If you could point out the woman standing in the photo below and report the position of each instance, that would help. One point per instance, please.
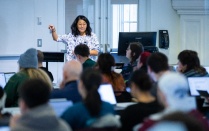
(81, 32)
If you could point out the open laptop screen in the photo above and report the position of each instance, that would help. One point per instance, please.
(8, 75)
(2, 80)
(60, 106)
(207, 68)
(198, 83)
(107, 94)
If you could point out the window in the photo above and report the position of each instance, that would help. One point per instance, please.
(124, 19)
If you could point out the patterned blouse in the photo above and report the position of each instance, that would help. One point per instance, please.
(71, 41)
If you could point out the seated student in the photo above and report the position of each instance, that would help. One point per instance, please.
(28, 64)
(142, 62)
(105, 64)
(82, 53)
(4, 117)
(173, 94)
(157, 64)
(86, 113)
(189, 64)
(140, 83)
(36, 115)
(133, 52)
(71, 73)
(40, 65)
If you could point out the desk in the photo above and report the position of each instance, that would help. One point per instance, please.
(12, 110)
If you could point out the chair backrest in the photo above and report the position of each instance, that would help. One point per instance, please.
(123, 96)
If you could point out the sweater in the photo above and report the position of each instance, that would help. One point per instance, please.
(135, 114)
(12, 87)
(78, 116)
(70, 92)
(88, 63)
(41, 118)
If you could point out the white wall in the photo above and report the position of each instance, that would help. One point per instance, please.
(20, 31)
(194, 29)
(73, 8)
(164, 17)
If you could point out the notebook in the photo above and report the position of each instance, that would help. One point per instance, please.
(2, 80)
(198, 84)
(8, 75)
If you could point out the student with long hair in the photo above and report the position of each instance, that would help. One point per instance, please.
(85, 113)
(189, 64)
(105, 64)
(133, 52)
(147, 104)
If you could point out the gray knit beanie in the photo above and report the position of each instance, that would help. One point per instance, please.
(29, 59)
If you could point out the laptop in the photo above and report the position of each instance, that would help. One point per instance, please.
(60, 106)
(4, 128)
(207, 68)
(107, 94)
(2, 80)
(198, 84)
(8, 75)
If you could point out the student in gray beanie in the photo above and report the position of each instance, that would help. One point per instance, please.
(28, 69)
(29, 59)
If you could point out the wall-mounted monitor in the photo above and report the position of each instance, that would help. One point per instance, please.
(145, 38)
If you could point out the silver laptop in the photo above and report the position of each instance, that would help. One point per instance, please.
(2, 80)
(198, 84)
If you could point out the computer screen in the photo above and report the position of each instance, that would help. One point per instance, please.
(4, 128)
(198, 83)
(107, 94)
(8, 75)
(60, 106)
(145, 38)
(207, 68)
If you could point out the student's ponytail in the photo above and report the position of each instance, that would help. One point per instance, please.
(91, 80)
